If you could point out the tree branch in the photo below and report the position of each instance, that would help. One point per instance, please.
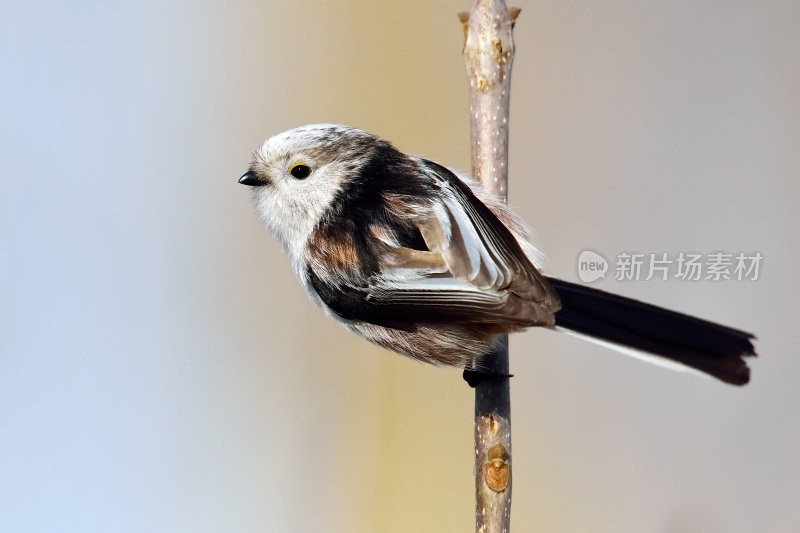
(488, 53)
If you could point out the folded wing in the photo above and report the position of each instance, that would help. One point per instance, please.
(486, 276)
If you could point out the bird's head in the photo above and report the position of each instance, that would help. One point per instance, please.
(297, 175)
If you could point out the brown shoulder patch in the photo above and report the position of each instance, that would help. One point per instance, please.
(333, 251)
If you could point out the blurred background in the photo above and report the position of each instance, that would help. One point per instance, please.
(162, 370)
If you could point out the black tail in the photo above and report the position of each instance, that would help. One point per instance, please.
(705, 346)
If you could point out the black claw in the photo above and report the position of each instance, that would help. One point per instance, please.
(476, 377)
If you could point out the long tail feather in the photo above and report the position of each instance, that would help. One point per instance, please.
(705, 346)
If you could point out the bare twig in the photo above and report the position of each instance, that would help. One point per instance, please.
(489, 52)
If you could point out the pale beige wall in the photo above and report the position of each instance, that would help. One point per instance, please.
(161, 370)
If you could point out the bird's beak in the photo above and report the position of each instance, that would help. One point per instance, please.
(250, 178)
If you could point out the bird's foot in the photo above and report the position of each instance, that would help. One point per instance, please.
(475, 377)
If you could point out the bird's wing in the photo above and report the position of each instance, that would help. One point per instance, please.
(476, 267)
(445, 300)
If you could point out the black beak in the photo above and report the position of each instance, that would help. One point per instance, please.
(250, 178)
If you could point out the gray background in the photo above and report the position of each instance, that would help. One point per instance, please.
(161, 370)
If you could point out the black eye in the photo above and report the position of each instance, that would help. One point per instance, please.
(300, 171)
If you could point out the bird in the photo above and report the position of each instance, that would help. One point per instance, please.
(421, 260)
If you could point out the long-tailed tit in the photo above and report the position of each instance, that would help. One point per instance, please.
(423, 262)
